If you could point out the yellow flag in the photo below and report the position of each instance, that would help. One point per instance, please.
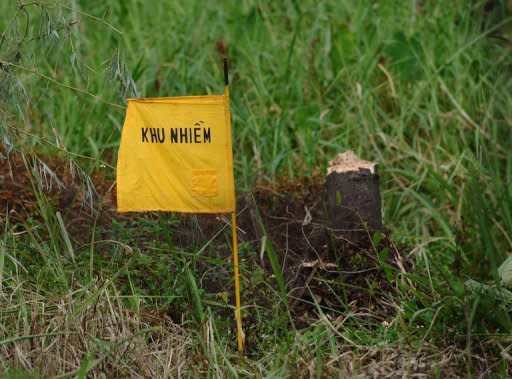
(176, 155)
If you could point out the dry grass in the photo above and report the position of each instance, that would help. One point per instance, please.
(89, 331)
(405, 362)
(98, 337)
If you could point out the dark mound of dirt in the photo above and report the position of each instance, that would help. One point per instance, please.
(323, 268)
(26, 179)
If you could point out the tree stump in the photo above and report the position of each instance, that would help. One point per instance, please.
(353, 196)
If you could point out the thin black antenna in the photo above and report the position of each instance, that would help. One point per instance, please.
(226, 72)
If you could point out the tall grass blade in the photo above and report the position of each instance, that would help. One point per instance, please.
(194, 294)
(274, 261)
(277, 271)
(65, 237)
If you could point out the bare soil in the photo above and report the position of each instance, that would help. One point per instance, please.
(323, 268)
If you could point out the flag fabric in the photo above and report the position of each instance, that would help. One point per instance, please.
(176, 155)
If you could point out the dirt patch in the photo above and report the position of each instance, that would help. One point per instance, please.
(323, 268)
(26, 179)
(17, 195)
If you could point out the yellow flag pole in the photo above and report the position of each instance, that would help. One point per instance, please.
(234, 234)
(239, 332)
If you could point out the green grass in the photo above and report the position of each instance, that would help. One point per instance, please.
(424, 88)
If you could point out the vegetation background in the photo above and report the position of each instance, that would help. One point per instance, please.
(422, 87)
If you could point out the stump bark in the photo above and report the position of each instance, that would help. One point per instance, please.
(353, 195)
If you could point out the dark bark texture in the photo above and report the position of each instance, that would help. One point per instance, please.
(353, 200)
